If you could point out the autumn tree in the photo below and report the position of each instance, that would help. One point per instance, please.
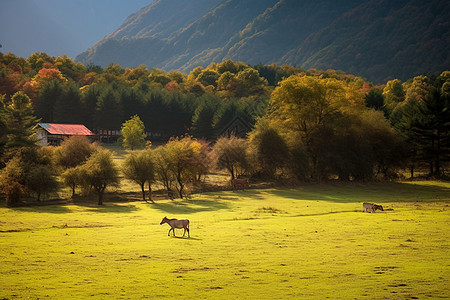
(139, 168)
(74, 177)
(3, 128)
(208, 77)
(163, 169)
(182, 155)
(100, 172)
(335, 133)
(268, 149)
(230, 154)
(393, 94)
(133, 133)
(74, 151)
(28, 171)
(41, 180)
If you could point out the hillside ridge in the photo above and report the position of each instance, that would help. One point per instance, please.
(379, 40)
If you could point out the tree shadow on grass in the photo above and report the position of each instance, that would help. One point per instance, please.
(113, 208)
(190, 206)
(357, 193)
(50, 209)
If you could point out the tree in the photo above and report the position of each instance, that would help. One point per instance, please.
(375, 99)
(73, 177)
(433, 128)
(139, 167)
(301, 103)
(203, 118)
(20, 125)
(230, 154)
(133, 133)
(74, 151)
(101, 172)
(67, 107)
(3, 128)
(201, 161)
(49, 94)
(182, 154)
(179, 162)
(422, 118)
(28, 171)
(268, 148)
(330, 132)
(208, 77)
(393, 94)
(41, 180)
(109, 109)
(12, 181)
(163, 166)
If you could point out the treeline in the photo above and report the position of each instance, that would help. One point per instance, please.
(300, 125)
(169, 103)
(202, 103)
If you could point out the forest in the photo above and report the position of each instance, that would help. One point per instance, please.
(294, 125)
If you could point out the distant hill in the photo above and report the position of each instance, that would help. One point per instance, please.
(376, 39)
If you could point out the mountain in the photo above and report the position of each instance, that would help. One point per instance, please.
(376, 39)
(382, 40)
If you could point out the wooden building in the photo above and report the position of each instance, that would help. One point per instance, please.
(54, 134)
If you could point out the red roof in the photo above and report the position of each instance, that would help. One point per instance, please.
(66, 129)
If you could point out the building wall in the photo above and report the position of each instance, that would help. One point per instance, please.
(43, 137)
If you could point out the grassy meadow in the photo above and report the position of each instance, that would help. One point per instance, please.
(311, 242)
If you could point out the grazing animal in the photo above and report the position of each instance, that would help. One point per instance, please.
(371, 207)
(176, 223)
(239, 182)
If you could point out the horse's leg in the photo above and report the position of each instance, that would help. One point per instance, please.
(184, 231)
(188, 231)
(169, 231)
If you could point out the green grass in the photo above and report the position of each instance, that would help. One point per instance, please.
(311, 242)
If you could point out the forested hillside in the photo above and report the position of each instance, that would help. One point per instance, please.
(373, 39)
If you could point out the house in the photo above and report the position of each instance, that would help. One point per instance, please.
(53, 134)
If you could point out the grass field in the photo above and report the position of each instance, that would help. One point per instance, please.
(311, 242)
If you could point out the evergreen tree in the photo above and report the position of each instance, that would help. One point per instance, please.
(50, 94)
(21, 125)
(109, 110)
(68, 107)
(203, 119)
(433, 130)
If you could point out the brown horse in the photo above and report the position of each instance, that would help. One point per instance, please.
(371, 207)
(176, 223)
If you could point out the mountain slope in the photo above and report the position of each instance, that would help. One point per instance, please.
(371, 38)
(162, 18)
(267, 37)
(381, 40)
